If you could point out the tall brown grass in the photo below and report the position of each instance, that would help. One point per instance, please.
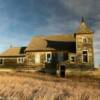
(29, 86)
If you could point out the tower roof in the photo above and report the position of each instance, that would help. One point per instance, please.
(83, 27)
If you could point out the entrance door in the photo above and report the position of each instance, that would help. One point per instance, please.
(62, 70)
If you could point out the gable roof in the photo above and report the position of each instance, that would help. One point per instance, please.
(14, 51)
(52, 42)
(83, 27)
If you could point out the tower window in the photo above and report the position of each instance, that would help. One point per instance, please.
(84, 40)
(85, 56)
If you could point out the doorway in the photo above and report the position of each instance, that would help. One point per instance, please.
(62, 70)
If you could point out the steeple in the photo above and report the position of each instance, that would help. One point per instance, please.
(83, 27)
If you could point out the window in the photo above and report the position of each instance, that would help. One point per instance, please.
(85, 56)
(20, 60)
(72, 58)
(84, 40)
(1, 61)
(48, 57)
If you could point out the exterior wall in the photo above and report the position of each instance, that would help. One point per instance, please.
(11, 61)
(88, 46)
(30, 57)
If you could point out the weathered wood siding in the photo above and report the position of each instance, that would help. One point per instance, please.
(11, 61)
(30, 57)
(80, 46)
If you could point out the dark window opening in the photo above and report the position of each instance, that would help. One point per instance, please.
(48, 55)
(85, 56)
(73, 59)
(48, 58)
(1, 61)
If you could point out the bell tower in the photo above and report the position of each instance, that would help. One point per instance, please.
(84, 44)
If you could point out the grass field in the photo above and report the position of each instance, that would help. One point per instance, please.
(39, 86)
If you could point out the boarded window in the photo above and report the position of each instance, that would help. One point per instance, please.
(85, 56)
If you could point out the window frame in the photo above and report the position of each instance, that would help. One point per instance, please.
(49, 57)
(87, 56)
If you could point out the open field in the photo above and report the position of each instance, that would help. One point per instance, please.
(39, 86)
(93, 74)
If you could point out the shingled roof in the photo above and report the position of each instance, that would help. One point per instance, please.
(52, 42)
(83, 27)
(14, 51)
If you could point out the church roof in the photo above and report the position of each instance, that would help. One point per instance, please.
(83, 27)
(14, 51)
(52, 42)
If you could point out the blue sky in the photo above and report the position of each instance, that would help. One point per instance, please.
(22, 19)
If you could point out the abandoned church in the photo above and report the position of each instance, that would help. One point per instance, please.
(59, 51)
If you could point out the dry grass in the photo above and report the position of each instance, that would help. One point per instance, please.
(29, 86)
(94, 74)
